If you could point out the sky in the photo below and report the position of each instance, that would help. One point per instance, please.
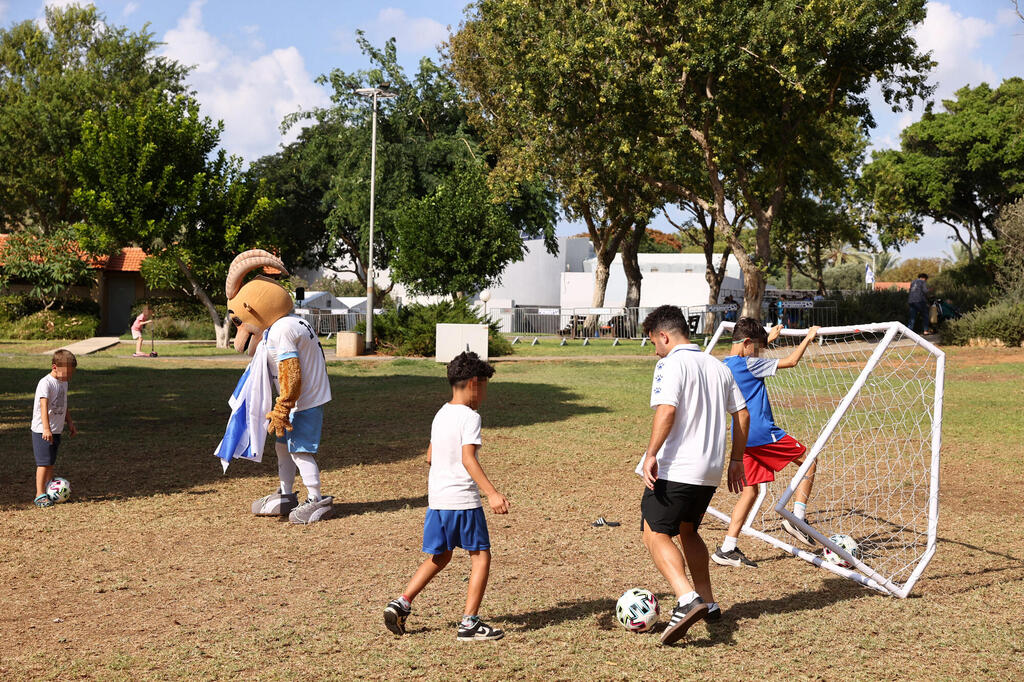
(255, 61)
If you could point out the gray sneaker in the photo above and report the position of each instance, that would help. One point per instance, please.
(275, 504)
(312, 511)
(797, 533)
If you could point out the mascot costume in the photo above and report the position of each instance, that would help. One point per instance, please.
(286, 353)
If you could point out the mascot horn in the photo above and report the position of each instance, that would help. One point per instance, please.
(286, 353)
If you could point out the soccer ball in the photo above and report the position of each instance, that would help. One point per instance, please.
(847, 543)
(637, 610)
(58, 489)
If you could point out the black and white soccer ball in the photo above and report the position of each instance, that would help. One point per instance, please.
(637, 610)
(848, 544)
(58, 489)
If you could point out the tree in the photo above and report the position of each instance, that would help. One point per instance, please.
(50, 75)
(958, 166)
(51, 263)
(154, 176)
(455, 240)
(1010, 273)
(713, 103)
(424, 140)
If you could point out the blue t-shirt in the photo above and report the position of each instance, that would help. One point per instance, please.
(750, 374)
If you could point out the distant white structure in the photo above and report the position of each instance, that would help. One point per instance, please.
(668, 279)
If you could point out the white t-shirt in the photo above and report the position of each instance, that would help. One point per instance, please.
(450, 485)
(292, 337)
(56, 393)
(704, 393)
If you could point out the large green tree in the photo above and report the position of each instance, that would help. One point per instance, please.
(51, 74)
(957, 166)
(424, 140)
(153, 176)
(713, 103)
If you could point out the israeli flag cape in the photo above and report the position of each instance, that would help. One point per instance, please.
(246, 433)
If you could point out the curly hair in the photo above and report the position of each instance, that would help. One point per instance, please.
(467, 365)
(666, 318)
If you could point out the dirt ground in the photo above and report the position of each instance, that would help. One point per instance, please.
(156, 570)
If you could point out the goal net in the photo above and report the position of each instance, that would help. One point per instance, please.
(867, 403)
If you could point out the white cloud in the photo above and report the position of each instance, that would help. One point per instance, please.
(952, 38)
(413, 34)
(251, 94)
(130, 8)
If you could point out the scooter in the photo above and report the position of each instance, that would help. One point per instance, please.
(152, 343)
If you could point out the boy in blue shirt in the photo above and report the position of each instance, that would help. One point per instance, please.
(455, 515)
(769, 448)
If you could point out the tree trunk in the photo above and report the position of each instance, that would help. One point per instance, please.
(753, 290)
(597, 300)
(631, 266)
(789, 272)
(715, 277)
(221, 327)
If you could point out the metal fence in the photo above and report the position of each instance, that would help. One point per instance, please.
(627, 323)
(332, 323)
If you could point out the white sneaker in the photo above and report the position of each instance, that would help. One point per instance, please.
(797, 533)
(312, 511)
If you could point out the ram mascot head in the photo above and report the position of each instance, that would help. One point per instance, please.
(257, 304)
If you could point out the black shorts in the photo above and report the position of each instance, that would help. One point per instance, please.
(46, 453)
(671, 503)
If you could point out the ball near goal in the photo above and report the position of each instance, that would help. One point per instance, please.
(58, 489)
(867, 401)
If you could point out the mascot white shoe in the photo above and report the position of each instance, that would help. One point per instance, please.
(286, 353)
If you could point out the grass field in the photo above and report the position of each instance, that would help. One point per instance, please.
(156, 570)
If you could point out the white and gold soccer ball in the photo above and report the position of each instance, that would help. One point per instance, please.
(637, 609)
(58, 489)
(847, 543)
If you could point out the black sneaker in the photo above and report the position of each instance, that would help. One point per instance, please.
(395, 615)
(479, 631)
(682, 618)
(714, 613)
(797, 533)
(733, 557)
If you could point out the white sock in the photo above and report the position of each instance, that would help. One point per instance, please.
(406, 604)
(712, 605)
(729, 544)
(800, 510)
(285, 468)
(687, 598)
(309, 471)
(467, 621)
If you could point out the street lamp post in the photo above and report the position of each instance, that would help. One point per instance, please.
(373, 94)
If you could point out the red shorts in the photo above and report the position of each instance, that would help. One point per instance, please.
(762, 461)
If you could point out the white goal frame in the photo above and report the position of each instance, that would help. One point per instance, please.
(863, 573)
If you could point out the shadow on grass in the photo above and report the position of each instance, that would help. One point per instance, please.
(834, 590)
(152, 430)
(560, 613)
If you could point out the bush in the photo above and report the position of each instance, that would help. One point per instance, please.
(177, 309)
(883, 305)
(51, 324)
(1003, 321)
(411, 330)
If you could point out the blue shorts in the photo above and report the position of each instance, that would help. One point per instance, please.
(45, 453)
(446, 529)
(305, 433)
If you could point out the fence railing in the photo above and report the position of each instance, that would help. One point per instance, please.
(627, 323)
(332, 323)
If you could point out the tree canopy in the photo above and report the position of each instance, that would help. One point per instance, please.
(714, 103)
(957, 166)
(50, 76)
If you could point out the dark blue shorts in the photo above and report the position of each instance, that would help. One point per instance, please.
(46, 453)
(446, 529)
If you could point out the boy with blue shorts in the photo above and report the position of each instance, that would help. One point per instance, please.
(455, 515)
(49, 416)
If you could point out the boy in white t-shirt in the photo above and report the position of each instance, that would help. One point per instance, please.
(455, 515)
(49, 416)
(692, 393)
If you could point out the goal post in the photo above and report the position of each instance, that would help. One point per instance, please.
(870, 398)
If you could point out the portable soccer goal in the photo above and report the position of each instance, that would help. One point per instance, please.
(867, 402)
